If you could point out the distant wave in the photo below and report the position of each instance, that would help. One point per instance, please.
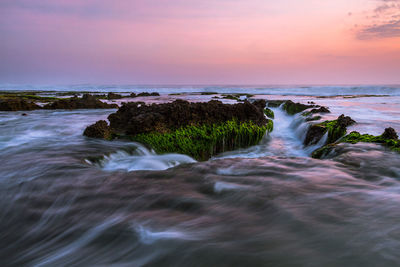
(326, 90)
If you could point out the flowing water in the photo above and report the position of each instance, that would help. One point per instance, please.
(68, 200)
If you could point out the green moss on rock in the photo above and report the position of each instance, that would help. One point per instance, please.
(388, 138)
(270, 114)
(293, 108)
(201, 142)
(335, 129)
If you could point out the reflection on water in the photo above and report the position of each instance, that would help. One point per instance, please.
(67, 200)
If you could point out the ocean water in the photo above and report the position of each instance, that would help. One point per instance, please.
(68, 200)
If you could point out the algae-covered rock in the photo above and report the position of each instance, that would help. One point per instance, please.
(99, 130)
(17, 104)
(196, 129)
(136, 117)
(292, 108)
(335, 129)
(202, 142)
(389, 138)
(275, 103)
(85, 102)
(270, 114)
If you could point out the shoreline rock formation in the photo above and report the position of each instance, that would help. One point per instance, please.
(200, 130)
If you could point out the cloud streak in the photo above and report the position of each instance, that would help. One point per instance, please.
(384, 22)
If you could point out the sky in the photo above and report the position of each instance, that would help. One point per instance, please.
(200, 41)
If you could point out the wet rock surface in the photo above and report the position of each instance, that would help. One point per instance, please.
(390, 133)
(17, 104)
(87, 101)
(99, 130)
(335, 129)
(292, 108)
(114, 96)
(136, 117)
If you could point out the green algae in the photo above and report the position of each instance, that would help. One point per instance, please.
(354, 138)
(335, 131)
(270, 114)
(29, 96)
(293, 108)
(203, 141)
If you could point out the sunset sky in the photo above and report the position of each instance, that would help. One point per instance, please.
(200, 41)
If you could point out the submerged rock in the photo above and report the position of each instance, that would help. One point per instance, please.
(86, 102)
(196, 129)
(335, 129)
(17, 104)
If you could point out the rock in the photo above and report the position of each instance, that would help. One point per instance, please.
(345, 121)
(196, 129)
(292, 108)
(24, 114)
(320, 110)
(17, 104)
(270, 114)
(114, 96)
(136, 117)
(275, 103)
(148, 94)
(390, 133)
(86, 102)
(132, 95)
(99, 130)
(314, 118)
(336, 129)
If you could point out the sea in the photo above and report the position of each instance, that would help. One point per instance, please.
(69, 200)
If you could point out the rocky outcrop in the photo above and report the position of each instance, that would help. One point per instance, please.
(196, 129)
(389, 138)
(335, 129)
(292, 108)
(99, 130)
(111, 96)
(17, 104)
(390, 133)
(136, 117)
(85, 102)
(148, 94)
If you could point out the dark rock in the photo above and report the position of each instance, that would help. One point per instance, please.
(99, 130)
(136, 117)
(314, 118)
(86, 102)
(390, 133)
(113, 96)
(24, 114)
(345, 121)
(199, 130)
(292, 108)
(148, 94)
(320, 110)
(132, 95)
(336, 129)
(314, 134)
(275, 103)
(17, 104)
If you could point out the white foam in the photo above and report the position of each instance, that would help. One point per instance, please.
(148, 236)
(143, 159)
